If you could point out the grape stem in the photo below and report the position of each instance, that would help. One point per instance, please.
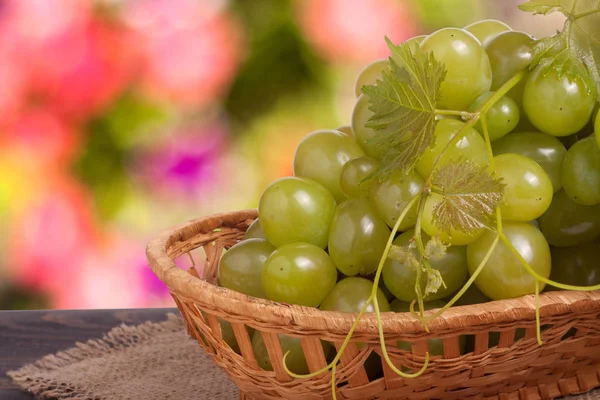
(475, 116)
(372, 298)
(452, 113)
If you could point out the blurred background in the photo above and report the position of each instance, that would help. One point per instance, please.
(121, 118)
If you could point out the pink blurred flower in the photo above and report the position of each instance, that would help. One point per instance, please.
(191, 48)
(89, 69)
(106, 277)
(41, 137)
(186, 163)
(75, 62)
(49, 239)
(354, 30)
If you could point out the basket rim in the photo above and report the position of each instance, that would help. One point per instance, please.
(232, 303)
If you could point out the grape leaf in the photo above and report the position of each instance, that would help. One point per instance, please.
(404, 255)
(435, 248)
(403, 105)
(470, 195)
(575, 50)
(434, 281)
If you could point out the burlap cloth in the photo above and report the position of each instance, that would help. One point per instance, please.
(145, 362)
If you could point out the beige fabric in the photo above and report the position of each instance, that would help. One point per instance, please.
(150, 361)
(145, 362)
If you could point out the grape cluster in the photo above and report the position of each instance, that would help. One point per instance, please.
(324, 234)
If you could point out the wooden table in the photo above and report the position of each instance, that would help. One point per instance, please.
(26, 336)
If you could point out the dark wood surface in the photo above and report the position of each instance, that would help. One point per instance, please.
(26, 336)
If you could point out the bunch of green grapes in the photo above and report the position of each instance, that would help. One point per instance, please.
(340, 236)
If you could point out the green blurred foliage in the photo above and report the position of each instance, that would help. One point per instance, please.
(279, 62)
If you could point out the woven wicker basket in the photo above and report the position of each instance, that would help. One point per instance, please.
(567, 363)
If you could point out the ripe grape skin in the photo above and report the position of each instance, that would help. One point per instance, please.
(544, 149)
(472, 296)
(567, 223)
(454, 237)
(597, 128)
(255, 231)
(295, 209)
(486, 29)
(360, 115)
(295, 360)
(576, 265)
(528, 189)
(298, 273)
(321, 155)
(373, 72)
(581, 172)
(357, 237)
(391, 197)
(509, 53)
(501, 118)
(369, 75)
(503, 276)
(468, 68)
(400, 278)
(354, 173)
(346, 130)
(351, 294)
(471, 146)
(241, 266)
(557, 106)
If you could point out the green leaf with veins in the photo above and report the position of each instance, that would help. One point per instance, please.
(574, 51)
(435, 249)
(403, 105)
(470, 195)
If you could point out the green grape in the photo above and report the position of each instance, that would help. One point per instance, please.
(581, 172)
(557, 106)
(468, 68)
(472, 296)
(369, 75)
(597, 128)
(471, 146)
(255, 231)
(346, 130)
(351, 294)
(388, 295)
(400, 278)
(528, 189)
(567, 223)
(503, 276)
(360, 115)
(357, 237)
(321, 155)
(544, 149)
(454, 237)
(486, 29)
(576, 265)
(295, 209)
(295, 360)
(353, 177)
(501, 118)
(436, 346)
(241, 266)
(510, 53)
(391, 197)
(299, 273)
(374, 71)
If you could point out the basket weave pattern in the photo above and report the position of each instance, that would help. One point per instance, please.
(567, 363)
